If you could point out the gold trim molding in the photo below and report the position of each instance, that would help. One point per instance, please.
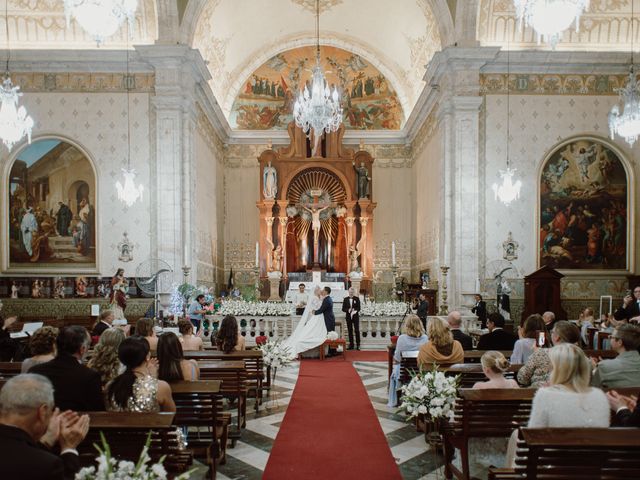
(551, 84)
(83, 82)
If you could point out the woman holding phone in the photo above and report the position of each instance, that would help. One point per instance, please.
(533, 333)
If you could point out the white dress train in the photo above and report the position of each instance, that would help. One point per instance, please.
(311, 331)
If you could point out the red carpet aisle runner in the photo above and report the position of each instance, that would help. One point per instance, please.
(330, 430)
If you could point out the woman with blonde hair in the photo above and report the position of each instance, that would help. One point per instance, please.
(494, 365)
(412, 338)
(42, 346)
(441, 347)
(105, 359)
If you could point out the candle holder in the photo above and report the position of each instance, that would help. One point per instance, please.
(256, 273)
(444, 307)
(394, 288)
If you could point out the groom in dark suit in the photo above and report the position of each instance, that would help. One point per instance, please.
(326, 309)
(351, 307)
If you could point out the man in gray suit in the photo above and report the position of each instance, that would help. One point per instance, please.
(624, 370)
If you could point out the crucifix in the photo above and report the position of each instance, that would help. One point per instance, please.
(315, 209)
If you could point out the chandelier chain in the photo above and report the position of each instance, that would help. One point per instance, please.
(318, 28)
(6, 27)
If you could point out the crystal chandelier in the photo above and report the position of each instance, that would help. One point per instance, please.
(318, 110)
(129, 193)
(101, 18)
(549, 18)
(627, 123)
(509, 190)
(14, 121)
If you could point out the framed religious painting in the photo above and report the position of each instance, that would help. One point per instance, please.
(585, 207)
(50, 210)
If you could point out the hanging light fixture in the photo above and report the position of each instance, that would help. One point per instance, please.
(627, 123)
(101, 18)
(508, 190)
(128, 192)
(549, 18)
(318, 110)
(14, 121)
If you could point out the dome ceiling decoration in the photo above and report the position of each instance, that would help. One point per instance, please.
(368, 99)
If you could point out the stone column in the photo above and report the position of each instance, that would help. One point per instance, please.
(274, 285)
(284, 222)
(349, 221)
(269, 240)
(364, 260)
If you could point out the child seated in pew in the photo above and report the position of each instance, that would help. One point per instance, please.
(494, 365)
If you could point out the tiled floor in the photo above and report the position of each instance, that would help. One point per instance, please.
(248, 459)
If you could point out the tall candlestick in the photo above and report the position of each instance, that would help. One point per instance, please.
(393, 254)
(257, 254)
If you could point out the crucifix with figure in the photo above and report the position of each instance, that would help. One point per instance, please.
(314, 210)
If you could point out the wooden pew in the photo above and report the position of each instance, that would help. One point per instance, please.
(126, 434)
(253, 363)
(199, 406)
(10, 369)
(483, 414)
(570, 453)
(233, 376)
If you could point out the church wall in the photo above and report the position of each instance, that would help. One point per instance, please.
(96, 122)
(537, 124)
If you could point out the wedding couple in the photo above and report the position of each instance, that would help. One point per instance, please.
(316, 321)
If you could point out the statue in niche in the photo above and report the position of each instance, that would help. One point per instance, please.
(353, 259)
(58, 291)
(363, 179)
(276, 259)
(270, 182)
(14, 290)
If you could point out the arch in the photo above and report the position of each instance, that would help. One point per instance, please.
(578, 183)
(58, 188)
(444, 19)
(286, 182)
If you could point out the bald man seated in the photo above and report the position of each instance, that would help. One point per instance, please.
(454, 319)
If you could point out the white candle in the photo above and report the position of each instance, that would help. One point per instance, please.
(393, 254)
(257, 254)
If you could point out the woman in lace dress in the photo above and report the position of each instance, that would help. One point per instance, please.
(311, 331)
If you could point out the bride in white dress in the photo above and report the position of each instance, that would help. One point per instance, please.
(311, 331)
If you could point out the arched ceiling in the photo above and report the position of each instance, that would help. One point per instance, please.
(236, 37)
(42, 24)
(604, 26)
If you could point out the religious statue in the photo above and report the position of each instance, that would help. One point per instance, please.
(276, 259)
(118, 297)
(341, 211)
(363, 179)
(125, 249)
(270, 182)
(14, 290)
(35, 289)
(81, 287)
(58, 291)
(353, 259)
(503, 291)
(315, 222)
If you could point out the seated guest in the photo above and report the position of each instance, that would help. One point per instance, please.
(76, 387)
(105, 321)
(549, 319)
(172, 365)
(536, 371)
(411, 340)
(105, 356)
(494, 364)
(630, 308)
(497, 338)
(190, 342)
(626, 409)
(624, 370)
(138, 389)
(144, 328)
(30, 426)
(528, 333)
(454, 319)
(8, 345)
(42, 346)
(228, 338)
(586, 320)
(441, 347)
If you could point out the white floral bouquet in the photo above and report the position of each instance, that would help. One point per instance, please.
(332, 335)
(430, 393)
(276, 354)
(264, 309)
(382, 309)
(111, 469)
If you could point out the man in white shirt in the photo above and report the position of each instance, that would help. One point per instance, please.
(300, 299)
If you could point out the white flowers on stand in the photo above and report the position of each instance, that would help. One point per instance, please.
(266, 309)
(382, 309)
(276, 354)
(430, 393)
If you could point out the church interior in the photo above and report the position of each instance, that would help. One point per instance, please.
(393, 240)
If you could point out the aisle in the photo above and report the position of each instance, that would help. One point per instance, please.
(330, 429)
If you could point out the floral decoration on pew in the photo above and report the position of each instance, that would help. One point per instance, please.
(110, 468)
(276, 354)
(265, 309)
(431, 393)
(382, 309)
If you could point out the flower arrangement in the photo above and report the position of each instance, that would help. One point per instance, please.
(430, 393)
(265, 309)
(111, 469)
(332, 335)
(382, 309)
(276, 354)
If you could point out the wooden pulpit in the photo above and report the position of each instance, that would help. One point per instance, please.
(542, 293)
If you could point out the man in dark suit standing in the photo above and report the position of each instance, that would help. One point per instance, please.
(497, 338)
(76, 387)
(480, 309)
(326, 309)
(630, 306)
(423, 309)
(351, 307)
(454, 319)
(29, 427)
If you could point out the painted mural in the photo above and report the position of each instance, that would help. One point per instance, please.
(584, 208)
(52, 198)
(267, 97)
